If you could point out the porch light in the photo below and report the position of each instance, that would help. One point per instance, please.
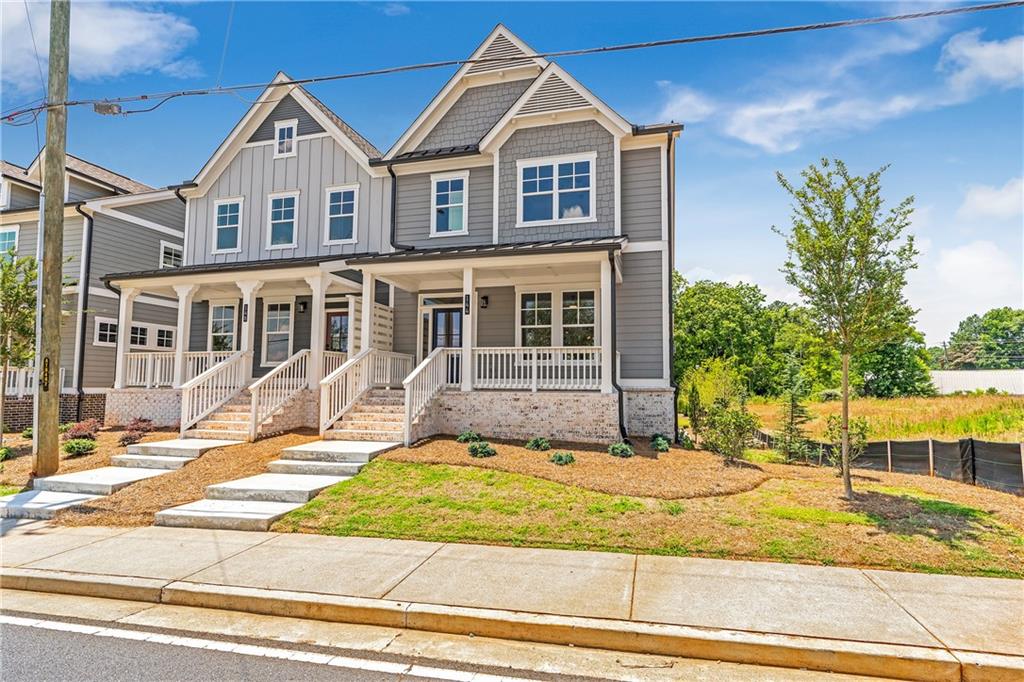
(483, 301)
(301, 307)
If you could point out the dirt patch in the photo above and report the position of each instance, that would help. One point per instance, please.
(136, 504)
(676, 474)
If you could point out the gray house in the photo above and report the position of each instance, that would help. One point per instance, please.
(503, 267)
(111, 223)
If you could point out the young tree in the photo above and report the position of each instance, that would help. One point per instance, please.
(792, 439)
(848, 259)
(17, 317)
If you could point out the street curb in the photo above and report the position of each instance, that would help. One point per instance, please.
(82, 584)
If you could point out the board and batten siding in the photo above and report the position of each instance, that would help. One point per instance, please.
(413, 207)
(286, 110)
(474, 114)
(254, 173)
(641, 194)
(120, 246)
(639, 311)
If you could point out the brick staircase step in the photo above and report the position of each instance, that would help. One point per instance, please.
(359, 408)
(361, 425)
(223, 425)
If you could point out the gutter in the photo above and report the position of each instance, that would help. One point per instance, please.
(177, 190)
(670, 166)
(83, 304)
(394, 212)
(615, 365)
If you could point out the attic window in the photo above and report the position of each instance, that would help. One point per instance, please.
(284, 138)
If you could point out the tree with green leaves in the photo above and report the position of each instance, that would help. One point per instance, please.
(17, 317)
(994, 340)
(791, 439)
(848, 258)
(896, 369)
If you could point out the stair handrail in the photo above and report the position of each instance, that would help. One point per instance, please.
(422, 384)
(204, 393)
(342, 387)
(277, 387)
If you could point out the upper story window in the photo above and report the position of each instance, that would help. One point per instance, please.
(448, 203)
(170, 255)
(227, 219)
(281, 228)
(8, 239)
(556, 190)
(340, 227)
(284, 138)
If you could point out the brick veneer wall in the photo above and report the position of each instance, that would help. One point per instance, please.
(162, 405)
(301, 412)
(18, 411)
(649, 411)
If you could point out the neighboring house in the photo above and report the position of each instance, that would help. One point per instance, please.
(111, 223)
(504, 267)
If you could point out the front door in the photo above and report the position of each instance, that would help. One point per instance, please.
(447, 333)
(337, 332)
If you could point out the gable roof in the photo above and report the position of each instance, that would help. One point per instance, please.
(120, 184)
(368, 148)
(16, 173)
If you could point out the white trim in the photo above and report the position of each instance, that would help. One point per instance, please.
(295, 219)
(5, 193)
(173, 245)
(617, 174)
(96, 322)
(238, 233)
(553, 161)
(644, 384)
(422, 308)
(188, 229)
(640, 247)
(222, 303)
(107, 293)
(267, 302)
(292, 123)
(439, 177)
(556, 290)
(17, 233)
(267, 143)
(142, 222)
(495, 207)
(354, 187)
(151, 333)
(666, 330)
(101, 203)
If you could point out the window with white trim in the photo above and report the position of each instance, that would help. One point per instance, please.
(448, 204)
(340, 225)
(281, 229)
(578, 318)
(222, 326)
(284, 138)
(165, 338)
(535, 319)
(170, 255)
(8, 239)
(227, 219)
(277, 331)
(106, 332)
(139, 336)
(558, 190)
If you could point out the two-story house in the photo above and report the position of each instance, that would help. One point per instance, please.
(503, 267)
(111, 223)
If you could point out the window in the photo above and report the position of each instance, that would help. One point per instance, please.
(222, 326)
(277, 332)
(448, 204)
(535, 319)
(281, 232)
(8, 239)
(578, 318)
(106, 332)
(170, 255)
(139, 336)
(165, 338)
(556, 190)
(341, 215)
(284, 138)
(228, 217)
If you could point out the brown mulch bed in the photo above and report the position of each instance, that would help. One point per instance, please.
(671, 475)
(137, 504)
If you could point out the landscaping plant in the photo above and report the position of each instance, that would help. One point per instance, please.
(729, 429)
(468, 437)
(140, 425)
(130, 437)
(79, 446)
(858, 436)
(27, 432)
(17, 316)
(481, 448)
(660, 443)
(620, 450)
(685, 441)
(5, 452)
(63, 428)
(791, 439)
(561, 458)
(539, 444)
(84, 429)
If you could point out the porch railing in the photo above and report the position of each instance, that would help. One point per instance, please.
(389, 368)
(332, 361)
(341, 388)
(565, 368)
(275, 388)
(149, 370)
(21, 381)
(438, 370)
(203, 394)
(197, 362)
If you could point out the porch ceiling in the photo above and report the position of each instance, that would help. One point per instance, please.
(494, 275)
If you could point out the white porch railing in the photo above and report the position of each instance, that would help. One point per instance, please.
(274, 389)
(21, 381)
(206, 392)
(332, 361)
(197, 362)
(150, 369)
(566, 368)
(341, 388)
(389, 368)
(437, 371)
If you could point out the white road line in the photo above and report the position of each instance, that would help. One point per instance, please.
(407, 669)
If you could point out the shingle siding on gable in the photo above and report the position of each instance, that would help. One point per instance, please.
(557, 140)
(638, 303)
(413, 224)
(287, 109)
(641, 194)
(475, 113)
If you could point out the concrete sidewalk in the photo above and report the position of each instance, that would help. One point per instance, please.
(867, 622)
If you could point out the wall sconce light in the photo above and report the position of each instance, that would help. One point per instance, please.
(302, 306)
(484, 301)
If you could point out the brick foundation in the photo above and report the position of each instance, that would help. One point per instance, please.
(301, 412)
(649, 411)
(162, 405)
(73, 408)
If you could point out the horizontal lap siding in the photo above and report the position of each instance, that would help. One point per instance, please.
(639, 316)
(475, 113)
(23, 197)
(120, 246)
(79, 190)
(168, 212)
(413, 224)
(98, 370)
(641, 194)
(28, 235)
(497, 323)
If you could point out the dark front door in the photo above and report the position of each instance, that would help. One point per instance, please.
(337, 332)
(447, 328)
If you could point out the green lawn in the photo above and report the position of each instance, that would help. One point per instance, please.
(9, 490)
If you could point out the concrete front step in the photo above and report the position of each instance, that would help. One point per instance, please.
(225, 514)
(337, 451)
(39, 504)
(179, 447)
(102, 481)
(301, 466)
(214, 434)
(164, 462)
(272, 488)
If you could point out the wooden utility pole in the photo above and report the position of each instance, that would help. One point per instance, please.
(51, 277)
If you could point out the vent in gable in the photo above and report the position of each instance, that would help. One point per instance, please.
(505, 51)
(553, 95)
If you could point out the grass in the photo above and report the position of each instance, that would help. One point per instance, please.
(9, 490)
(998, 418)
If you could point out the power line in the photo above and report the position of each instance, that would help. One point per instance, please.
(39, 65)
(227, 35)
(844, 23)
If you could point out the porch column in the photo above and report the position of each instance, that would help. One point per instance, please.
(607, 282)
(468, 319)
(124, 331)
(185, 293)
(318, 283)
(248, 289)
(366, 322)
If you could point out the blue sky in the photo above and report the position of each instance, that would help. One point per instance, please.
(939, 99)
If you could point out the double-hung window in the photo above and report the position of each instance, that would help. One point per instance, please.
(558, 190)
(281, 229)
(578, 318)
(139, 336)
(340, 225)
(448, 202)
(170, 255)
(165, 338)
(222, 326)
(277, 334)
(8, 239)
(284, 138)
(227, 215)
(106, 332)
(535, 319)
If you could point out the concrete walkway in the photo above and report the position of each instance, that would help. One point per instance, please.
(867, 622)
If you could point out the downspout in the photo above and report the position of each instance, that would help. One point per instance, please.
(177, 190)
(394, 213)
(615, 364)
(670, 178)
(83, 302)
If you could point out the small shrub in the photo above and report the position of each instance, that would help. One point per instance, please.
(140, 425)
(481, 448)
(6, 453)
(27, 433)
(539, 444)
(830, 395)
(859, 429)
(620, 450)
(129, 437)
(79, 446)
(660, 443)
(82, 430)
(729, 430)
(561, 458)
(686, 442)
(63, 428)
(468, 437)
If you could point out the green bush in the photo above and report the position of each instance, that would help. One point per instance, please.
(84, 429)
(660, 443)
(729, 430)
(63, 428)
(620, 450)
(6, 453)
(830, 394)
(538, 443)
(561, 458)
(27, 433)
(686, 442)
(468, 437)
(79, 446)
(481, 448)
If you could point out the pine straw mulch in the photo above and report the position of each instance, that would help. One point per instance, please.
(137, 504)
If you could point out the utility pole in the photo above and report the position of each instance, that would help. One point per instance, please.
(51, 276)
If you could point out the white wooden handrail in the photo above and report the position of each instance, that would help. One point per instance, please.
(275, 388)
(21, 381)
(438, 370)
(198, 361)
(332, 360)
(203, 394)
(370, 368)
(565, 368)
(149, 369)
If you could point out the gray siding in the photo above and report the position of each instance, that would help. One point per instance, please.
(638, 303)
(641, 194)
(100, 361)
(119, 246)
(167, 212)
(496, 325)
(80, 190)
(475, 113)
(286, 110)
(555, 140)
(254, 173)
(23, 197)
(405, 321)
(301, 332)
(413, 224)
(28, 235)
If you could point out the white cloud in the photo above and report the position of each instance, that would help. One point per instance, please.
(395, 9)
(107, 40)
(983, 202)
(972, 64)
(684, 104)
